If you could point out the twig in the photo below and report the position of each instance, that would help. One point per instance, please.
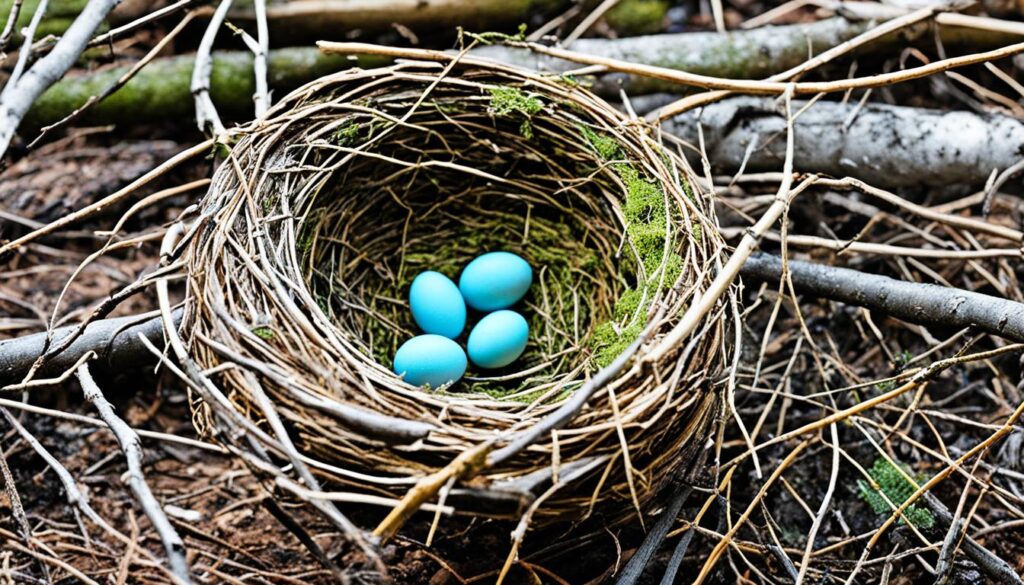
(12, 19)
(688, 323)
(925, 304)
(107, 201)
(132, 448)
(206, 112)
(45, 72)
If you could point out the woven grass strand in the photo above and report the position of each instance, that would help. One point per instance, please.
(299, 264)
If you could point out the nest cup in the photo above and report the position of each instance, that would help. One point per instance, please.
(299, 267)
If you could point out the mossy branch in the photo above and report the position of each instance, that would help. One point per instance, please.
(161, 90)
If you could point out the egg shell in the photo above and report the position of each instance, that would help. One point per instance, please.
(437, 305)
(430, 359)
(498, 339)
(496, 280)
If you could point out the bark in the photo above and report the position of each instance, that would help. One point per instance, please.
(886, 146)
(743, 54)
(924, 304)
(160, 92)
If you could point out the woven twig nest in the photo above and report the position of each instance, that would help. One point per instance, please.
(298, 274)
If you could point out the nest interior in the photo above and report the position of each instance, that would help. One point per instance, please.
(299, 267)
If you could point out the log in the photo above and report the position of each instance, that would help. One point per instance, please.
(161, 90)
(886, 146)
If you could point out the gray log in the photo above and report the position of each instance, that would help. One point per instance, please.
(887, 146)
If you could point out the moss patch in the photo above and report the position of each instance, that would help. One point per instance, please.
(648, 229)
(511, 101)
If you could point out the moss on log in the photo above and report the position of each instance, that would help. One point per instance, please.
(161, 90)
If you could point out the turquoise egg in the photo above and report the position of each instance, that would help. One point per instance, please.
(437, 305)
(498, 339)
(430, 359)
(496, 280)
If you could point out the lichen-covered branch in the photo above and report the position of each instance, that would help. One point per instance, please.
(307, 20)
(889, 146)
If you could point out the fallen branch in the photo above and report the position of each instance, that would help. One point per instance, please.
(115, 341)
(161, 90)
(891, 146)
(741, 54)
(924, 304)
(132, 447)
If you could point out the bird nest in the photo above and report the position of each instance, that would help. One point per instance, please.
(297, 292)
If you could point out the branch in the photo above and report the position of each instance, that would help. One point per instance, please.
(206, 112)
(742, 54)
(891, 146)
(132, 447)
(46, 71)
(115, 341)
(924, 304)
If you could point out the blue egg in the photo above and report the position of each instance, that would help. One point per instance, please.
(437, 305)
(498, 339)
(430, 359)
(496, 280)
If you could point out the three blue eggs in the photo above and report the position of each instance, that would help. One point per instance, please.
(491, 283)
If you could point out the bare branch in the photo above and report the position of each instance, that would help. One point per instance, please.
(206, 112)
(925, 304)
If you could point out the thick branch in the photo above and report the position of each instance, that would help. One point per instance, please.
(924, 304)
(742, 54)
(890, 146)
(115, 341)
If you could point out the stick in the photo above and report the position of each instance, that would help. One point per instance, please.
(924, 304)
(46, 71)
(132, 447)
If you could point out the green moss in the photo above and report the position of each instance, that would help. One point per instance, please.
(509, 101)
(605, 146)
(638, 16)
(647, 228)
(897, 488)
